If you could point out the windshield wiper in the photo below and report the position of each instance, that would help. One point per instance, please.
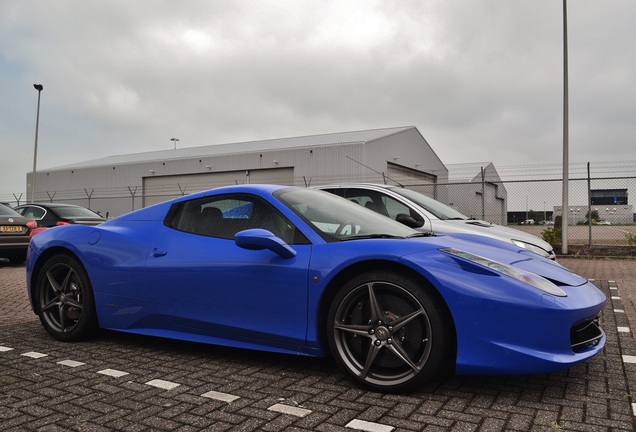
(421, 234)
(370, 236)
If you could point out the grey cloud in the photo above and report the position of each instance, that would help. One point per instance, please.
(480, 79)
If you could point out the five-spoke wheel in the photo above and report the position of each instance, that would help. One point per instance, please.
(65, 300)
(388, 332)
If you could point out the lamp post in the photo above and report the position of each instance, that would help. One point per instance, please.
(39, 88)
(174, 140)
(566, 163)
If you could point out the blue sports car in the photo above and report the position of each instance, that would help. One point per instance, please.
(302, 271)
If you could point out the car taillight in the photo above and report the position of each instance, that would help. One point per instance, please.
(60, 223)
(31, 224)
(36, 231)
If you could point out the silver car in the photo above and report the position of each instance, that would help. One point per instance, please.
(428, 215)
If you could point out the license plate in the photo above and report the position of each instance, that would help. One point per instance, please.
(11, 229)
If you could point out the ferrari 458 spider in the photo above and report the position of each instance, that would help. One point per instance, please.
(305, 272)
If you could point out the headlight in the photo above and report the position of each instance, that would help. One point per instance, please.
(532, 248)
(524, 276)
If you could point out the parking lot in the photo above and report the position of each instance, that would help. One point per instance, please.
(580, 234)
(135, 383)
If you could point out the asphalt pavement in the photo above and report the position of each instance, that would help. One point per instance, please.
(134, 383)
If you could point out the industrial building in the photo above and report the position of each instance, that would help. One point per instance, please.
(611, 206)
(118, 184)
(476, 190)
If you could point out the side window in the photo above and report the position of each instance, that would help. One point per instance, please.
(394, 207)
(32, 212)
(224, 216)
(381, 203)
(369, 199)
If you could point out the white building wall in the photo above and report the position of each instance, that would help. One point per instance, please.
(615, 215)
(116, 186)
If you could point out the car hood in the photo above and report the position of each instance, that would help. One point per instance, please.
(506, 253)
(480, 227)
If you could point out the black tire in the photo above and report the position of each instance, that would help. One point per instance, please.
(64, 299)
(389, 333)
(17, 259)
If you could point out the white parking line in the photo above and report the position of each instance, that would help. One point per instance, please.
(223, 397)
(623, 329)
(35, 355)
(368, 426)
(5, 349)
(615, 298)
(70, 363)
(619, 311)
(629, 359)
(166, 385)
(112, 372)
(286, 409)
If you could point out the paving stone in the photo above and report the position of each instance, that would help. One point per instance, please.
(40, 394)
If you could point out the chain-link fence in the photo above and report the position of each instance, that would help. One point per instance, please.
(528, 198)
(598, 213)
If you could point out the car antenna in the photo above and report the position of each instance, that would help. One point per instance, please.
(377, 172)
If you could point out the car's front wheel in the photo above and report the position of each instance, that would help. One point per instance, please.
(64, 298)
(389, 332)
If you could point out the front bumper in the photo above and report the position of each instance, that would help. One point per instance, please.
(525, 338)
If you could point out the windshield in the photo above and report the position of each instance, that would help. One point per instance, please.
(442, 211)
(6, 211)
(335, 218)
(70, 212)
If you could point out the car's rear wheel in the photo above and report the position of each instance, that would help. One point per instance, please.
(389, 332)
(17, 259)
(64, 298)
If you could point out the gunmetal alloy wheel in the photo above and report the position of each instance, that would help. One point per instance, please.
(387, 332)
(64, 299)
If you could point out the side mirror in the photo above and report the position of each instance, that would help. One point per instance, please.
(259, 239)
(409, 221)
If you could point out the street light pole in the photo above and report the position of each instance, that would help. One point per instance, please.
(39, 88)
(566, 167)
(174, 140)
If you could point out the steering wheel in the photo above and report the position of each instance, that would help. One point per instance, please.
(342, 226)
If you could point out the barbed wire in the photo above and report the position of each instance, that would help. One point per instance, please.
(604, 170)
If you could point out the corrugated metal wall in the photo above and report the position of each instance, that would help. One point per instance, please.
(121, 187)
(162, 188)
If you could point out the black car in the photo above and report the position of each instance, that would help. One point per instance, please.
(14, 234)
(54, 214)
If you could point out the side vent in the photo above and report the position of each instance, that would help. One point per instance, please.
(585, 335)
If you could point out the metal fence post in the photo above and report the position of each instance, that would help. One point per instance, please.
(589, 205)
(483, 194)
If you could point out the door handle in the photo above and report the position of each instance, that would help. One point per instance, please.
(159, 253)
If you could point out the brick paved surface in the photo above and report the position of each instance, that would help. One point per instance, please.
(172, 385)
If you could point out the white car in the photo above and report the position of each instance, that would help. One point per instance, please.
(428, 215)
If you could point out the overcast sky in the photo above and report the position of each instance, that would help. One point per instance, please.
(482, 80)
